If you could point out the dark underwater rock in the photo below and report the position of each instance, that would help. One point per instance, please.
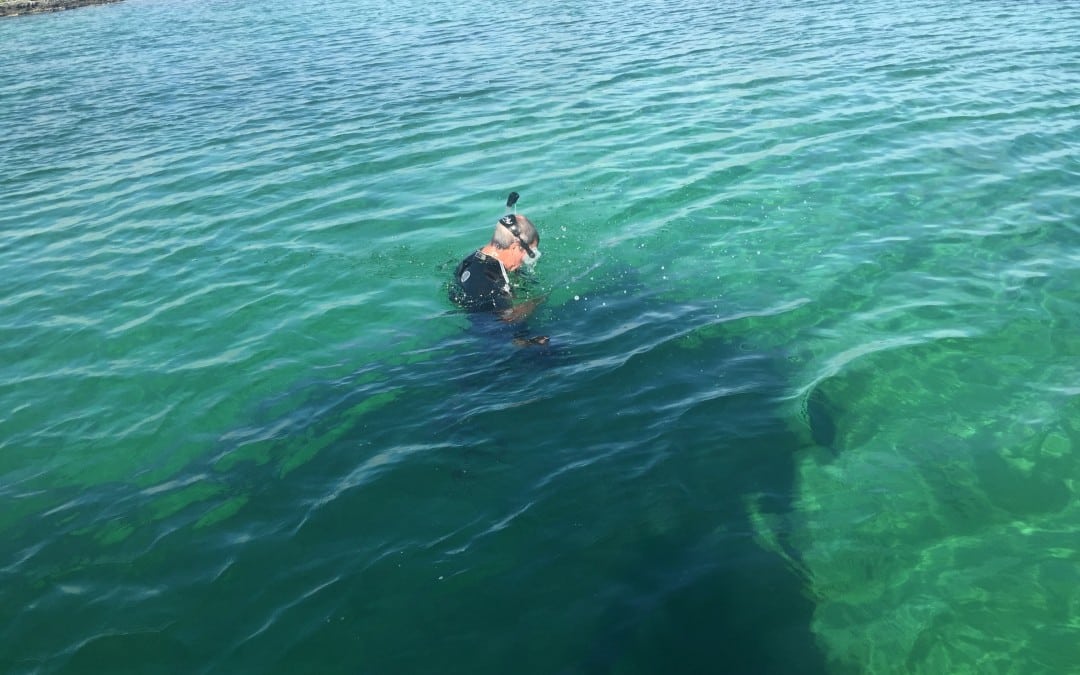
(17, 7)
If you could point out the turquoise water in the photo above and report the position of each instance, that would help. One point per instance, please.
(811, 402)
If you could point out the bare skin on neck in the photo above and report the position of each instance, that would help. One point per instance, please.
(511, 258)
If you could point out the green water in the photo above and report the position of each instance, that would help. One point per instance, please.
(811, 401)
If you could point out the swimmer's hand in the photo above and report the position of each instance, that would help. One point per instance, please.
(525, 342)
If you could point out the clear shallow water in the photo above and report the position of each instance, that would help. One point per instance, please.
(811, 402)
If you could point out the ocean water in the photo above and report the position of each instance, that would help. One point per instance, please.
(811, 273)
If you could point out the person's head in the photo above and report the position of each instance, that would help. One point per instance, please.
(517, 240)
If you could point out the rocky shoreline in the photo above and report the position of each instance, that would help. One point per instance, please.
(17, 7)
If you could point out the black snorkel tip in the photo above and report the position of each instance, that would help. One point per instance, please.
(512, 199)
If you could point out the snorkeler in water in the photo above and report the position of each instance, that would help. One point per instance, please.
(481, 282)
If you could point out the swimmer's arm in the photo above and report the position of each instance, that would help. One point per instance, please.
(522, 310)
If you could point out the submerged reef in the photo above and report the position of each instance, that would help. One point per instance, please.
(17, 7)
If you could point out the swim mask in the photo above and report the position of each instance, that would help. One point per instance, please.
(530, 262)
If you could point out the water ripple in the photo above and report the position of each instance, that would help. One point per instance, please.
(242, 427)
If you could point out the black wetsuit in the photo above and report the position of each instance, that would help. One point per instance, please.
(480, 284)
